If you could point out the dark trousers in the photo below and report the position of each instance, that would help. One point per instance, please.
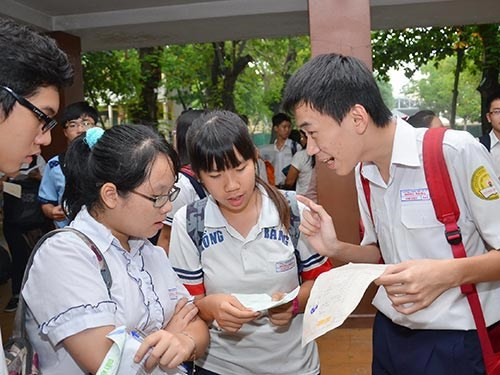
(398, 350)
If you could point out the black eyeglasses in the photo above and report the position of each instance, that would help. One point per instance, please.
(161, 200)
(49, 121)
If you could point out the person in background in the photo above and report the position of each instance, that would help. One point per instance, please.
(492, 140)
(120, 185)
(280, 153)
(23, 223)
(190, 188)
(32, 70)
(76, 119)
(247, 248)
(301, 170)
(425, 119)
(420, 306)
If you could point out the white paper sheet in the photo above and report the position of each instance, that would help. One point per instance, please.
(12, 189)
(335, 295)
(261, 302)
(120, 358)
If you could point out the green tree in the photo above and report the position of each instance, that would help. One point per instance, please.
(386, 92)
(145, 108)
(435, 89)
(111, 76)
(413, 48)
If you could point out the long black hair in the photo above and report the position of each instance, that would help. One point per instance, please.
(123, 156)
(212, 141)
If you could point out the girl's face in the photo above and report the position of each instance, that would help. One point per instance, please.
(135, 215)
(232, 188)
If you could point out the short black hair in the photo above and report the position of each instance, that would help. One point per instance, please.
(491, 99)
(332, 84)
(28, 61)
(278, 118)
(422, 119)
(76, 110)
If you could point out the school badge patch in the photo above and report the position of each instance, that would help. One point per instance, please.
(482, 185)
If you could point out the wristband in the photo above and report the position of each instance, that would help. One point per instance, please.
(193, 353)
(295, 306)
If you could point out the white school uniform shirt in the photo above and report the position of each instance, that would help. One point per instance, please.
(495, 152)
(302, 162)
(186, 195)
(406, 226)
(66, 294)
(263, 262)
(279, 158)
(3, 365)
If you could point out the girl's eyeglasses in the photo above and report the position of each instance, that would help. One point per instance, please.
(160, 200)
(49, 121)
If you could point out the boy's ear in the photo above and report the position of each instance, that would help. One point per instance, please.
(109, 195)
(360, 118)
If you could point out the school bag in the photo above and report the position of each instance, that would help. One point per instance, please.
(447, 212)
(195, 224)
(20, 357)
(195, 184)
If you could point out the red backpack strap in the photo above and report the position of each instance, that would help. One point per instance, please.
(447, 212)
(366, 190)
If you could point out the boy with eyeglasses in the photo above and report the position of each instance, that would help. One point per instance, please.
(32, 70)
(76, 119)
(492, 140)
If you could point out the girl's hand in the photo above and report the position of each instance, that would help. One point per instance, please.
(229, 313)
(184, 313)
(280, 315)
(168, 350)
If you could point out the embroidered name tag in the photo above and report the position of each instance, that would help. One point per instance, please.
(172, 293)
(413, 195)
(285, 265)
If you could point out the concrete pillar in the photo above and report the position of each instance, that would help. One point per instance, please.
(71, 45)
(342, 26)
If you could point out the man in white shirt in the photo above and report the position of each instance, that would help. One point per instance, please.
(492, 140)
(280, 153)
(423, 318)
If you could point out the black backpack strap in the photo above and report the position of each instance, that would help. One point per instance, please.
(486, 141)
(20, 319)
(195, 222)
(196, 185)
(294, 147)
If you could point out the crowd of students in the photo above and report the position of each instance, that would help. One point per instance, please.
(226, 230)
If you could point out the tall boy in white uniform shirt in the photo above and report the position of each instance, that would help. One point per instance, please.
(424, 324)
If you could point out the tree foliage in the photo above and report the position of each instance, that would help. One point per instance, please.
(435, 89)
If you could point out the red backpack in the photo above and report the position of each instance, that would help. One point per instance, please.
(447, 212)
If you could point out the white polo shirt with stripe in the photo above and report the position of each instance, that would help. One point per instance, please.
(406, 226)
(263, 262)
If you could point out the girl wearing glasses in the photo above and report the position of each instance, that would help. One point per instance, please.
(245, 247)
(119, 186)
